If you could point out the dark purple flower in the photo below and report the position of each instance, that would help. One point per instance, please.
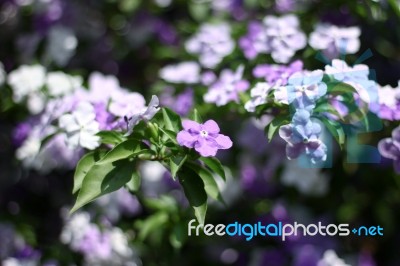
(390, 148)
(21, 132)
(204, 138)
(103, 117)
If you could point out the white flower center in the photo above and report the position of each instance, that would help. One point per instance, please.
(203, 133)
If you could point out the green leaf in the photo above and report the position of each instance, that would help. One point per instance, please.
(134, 184)
(175, 163)
(196, 116)
(169, 135)
(210, 185)
(193, 187)
(275, 125)
(172, 121)
(335, 129)
(103, 179)
(178, 235)
(110, 137)
(215, 165)
(151, 224)
(83, 167)
(327, 108)
(123, 150)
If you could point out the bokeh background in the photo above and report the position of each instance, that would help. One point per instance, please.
(133, 40)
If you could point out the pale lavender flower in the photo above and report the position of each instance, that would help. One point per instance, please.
(125, 103)
(389, 100)
(212, 43)
(94, 243)
(302, 137)
(277, 74)
(285, 6)
(204, 138)
(184, 102)
(227, 88)
(102, 87)
(185, 72)
(284, 37)
(390, 148)
(208, 78)
(334, 40)
(255, 41)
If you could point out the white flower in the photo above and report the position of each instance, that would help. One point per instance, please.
(119, 243)
(74, 230)
(331, 259)
(81, 127)
(29, 149)
(389, 96)
(258, 95)
(185, 72)
(58, 83)
(26, 80)
(145, 114)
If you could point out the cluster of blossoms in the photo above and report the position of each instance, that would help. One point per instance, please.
(108, 246)
(281, 37)
(68, 115)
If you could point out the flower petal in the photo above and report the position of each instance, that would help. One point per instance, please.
(191, 126)
(211, 127)
(206, 148)
(293, 151)
(224, 142)
(186, 139)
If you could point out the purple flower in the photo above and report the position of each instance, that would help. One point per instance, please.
(302, 137)
(303, 89)
(103, 117)
(334, 40)
(284, 37)
(21, 132)
(227, 88)
(95, 243)
(212, 43)
(389, 103)
(390, 148)
(184, 102)
(254, 42)
(185, 72)
(181, 103)
(204, 138)
(274, 74)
